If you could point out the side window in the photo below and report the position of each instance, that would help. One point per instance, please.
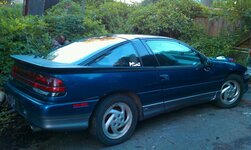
(122, 56)
(171, 53)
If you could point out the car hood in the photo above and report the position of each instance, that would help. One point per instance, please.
(229, 63)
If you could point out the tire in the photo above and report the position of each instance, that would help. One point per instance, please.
(231, 92)
(119, 127)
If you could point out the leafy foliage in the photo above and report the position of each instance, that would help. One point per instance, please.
(25, 35)
(33, 34)
(236, 11)
(65, 7)
(213, 46)
(148, 2)
(167, 18)
(114, 16)
(66, 18)
(13, 11)
(5, 2)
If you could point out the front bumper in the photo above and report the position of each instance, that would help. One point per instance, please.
(62, 116)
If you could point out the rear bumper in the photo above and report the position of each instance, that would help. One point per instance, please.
(48, 116)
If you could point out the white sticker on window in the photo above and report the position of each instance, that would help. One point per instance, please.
(133, 64)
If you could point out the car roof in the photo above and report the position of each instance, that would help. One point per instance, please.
(136, 36)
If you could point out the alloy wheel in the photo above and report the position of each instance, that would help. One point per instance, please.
(117, 120)
(230, 92)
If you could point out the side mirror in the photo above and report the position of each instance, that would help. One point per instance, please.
(205, 60)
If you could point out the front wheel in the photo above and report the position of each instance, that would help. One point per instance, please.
(231, 92)
(115, 120)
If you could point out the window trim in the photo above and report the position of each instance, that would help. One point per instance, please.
(144, 50)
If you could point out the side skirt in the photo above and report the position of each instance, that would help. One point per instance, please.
(174, 104)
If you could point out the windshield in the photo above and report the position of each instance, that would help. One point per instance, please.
(81, 49)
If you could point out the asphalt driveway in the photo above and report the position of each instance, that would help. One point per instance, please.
(198, 127)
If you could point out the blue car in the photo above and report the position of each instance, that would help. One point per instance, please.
(109, 83)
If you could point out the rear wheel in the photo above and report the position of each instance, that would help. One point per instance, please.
(231, 92)
(115, 119)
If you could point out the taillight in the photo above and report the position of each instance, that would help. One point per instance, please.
(42, 84)
(52, 85)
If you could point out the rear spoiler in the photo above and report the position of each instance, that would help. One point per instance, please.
(48, 66)
(35, 61)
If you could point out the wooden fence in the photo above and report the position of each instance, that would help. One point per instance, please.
(216, 25)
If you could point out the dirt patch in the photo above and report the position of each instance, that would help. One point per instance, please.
(221, 146)
(19, 135)
(15, 132)
(241, 143)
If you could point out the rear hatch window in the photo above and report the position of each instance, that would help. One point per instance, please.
(82, 49)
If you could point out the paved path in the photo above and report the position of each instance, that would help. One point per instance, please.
(198, 127)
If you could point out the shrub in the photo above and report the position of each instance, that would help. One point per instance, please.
(73, 26)
(33, 34)
(24, 35)
(236, 11)
(11, 11)
(213, 46)
(114, 16)
(66, 18)
(167, 18)
(4, 2)
(69, 25)
(65, 7)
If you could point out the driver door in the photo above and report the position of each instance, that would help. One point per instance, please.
(183, 77)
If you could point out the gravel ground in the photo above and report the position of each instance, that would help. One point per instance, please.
(198, 127)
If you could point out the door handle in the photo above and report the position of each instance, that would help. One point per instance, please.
(164, 77)
(207, 69)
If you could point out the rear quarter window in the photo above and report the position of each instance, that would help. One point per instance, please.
(121, 56)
